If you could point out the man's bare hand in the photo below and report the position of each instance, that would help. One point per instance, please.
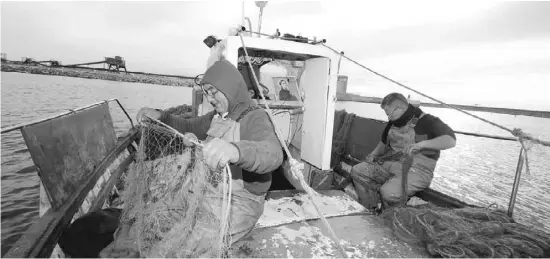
(413, 148)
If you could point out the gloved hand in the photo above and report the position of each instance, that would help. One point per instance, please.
(149, 112)
(189, 139)
(218, 153)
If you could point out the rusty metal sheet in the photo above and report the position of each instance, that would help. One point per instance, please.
(361, 236)
(67, 149)
(282, 207)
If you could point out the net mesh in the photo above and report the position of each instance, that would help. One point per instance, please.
(467, 232)
(166, 197)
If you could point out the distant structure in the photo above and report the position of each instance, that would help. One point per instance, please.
(28, 61)
(46, 63)
(4, 57)
(52, 63)
(115, 64)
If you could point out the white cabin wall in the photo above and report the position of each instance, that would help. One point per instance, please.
(325, 111)
(320, 90)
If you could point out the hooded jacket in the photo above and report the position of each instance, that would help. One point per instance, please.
(260, 150)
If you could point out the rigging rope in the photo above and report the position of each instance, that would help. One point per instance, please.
(516, 132)
(296, 167)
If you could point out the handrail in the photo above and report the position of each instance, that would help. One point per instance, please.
(376, 100)
(22, 125)
(485, 135)
(515, 188)
(481, 135)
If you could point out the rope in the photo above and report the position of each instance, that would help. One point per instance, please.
(295, 165)
(227, 188)
(516, 132)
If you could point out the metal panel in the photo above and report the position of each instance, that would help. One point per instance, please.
(67, 149)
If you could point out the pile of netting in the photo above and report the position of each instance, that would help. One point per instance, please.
(178, 205)
(467, 232)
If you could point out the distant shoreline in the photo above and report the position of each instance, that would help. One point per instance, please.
(97, 74)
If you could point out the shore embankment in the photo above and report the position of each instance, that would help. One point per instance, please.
(133, 77)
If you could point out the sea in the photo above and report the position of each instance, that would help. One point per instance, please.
(478, 170)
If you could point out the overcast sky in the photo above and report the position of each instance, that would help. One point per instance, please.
(494, 53)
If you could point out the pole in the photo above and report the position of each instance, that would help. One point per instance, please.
(242, 14)
(516, 184)
(260, 21)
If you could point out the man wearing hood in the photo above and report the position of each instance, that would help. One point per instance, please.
(237, 133)
(412, 132)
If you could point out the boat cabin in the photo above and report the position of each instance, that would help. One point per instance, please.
(302, 99)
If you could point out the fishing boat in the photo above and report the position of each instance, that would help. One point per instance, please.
(81, 161)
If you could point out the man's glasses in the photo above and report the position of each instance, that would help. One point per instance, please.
(198, 79)
(200, 86)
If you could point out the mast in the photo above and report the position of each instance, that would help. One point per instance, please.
(242, 13)
(261, 5)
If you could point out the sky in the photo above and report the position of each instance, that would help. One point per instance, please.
(491, 53)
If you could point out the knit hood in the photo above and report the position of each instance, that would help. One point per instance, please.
(226, 78)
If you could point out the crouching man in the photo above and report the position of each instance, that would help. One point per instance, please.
(409, 131)
(237, 133)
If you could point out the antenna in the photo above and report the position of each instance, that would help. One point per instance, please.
(261, 5)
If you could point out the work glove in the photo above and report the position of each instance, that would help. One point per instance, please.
(189, 139)
(218, 153)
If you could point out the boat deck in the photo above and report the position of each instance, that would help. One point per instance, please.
(290, 228)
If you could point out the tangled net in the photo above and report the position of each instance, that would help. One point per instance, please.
(157, 149)
(169, 198)
(467, 232)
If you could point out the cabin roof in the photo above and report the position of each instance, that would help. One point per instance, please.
(278, 47)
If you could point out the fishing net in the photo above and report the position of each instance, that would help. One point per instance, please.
(467, 232)
(169, 198)
(157, 148)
